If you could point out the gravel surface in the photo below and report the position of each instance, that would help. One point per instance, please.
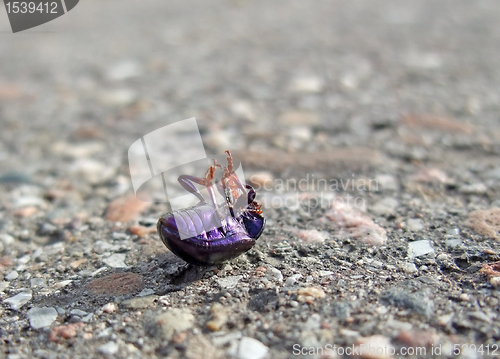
(370, 130)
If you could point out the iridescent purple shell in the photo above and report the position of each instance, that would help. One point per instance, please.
(213, 245)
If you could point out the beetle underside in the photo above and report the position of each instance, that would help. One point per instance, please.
(209, 233)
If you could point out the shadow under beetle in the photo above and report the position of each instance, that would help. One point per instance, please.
(208, 233)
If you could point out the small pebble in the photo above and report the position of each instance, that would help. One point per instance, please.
(385, 206)
(63, 332)
(290, 281)
(414, 224)
(380, 347)
(250, 348)
(41, 317)
(87, 318)
(142, 231)
(387, 182)
(310, 293)
(138, 302)
(442, 257)
(453, 242)
(78, 312)
(219, 317)
(325, 273)
(20, 299)
(145, 292)
(495, 282)
(6, 239)
(12, 275)
(61, 284)
(118, 97)
(445, 319)
(300, 134)
(476, 188)
(313, 322)
(307, 84)
(78, 151)
(274, 274)
(376, 264)
(413, 338)
(229, 282)
(312, 235)
(420, 248)
(199, 347)
(25, 211)
(126, 208)
(109, 348)
(301, 118)
(92, 171)
(124, 70)
(486, 222)
(222, 339)
(116, 260)
(243, 109)
(180, 337)
(354, 223)
(15, 177)
(431, 175)
(77, 263)
(174, 320)
(409, 267)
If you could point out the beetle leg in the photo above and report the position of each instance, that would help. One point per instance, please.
(186, 181)
(229, 162)
(209, 176)
(251, 193)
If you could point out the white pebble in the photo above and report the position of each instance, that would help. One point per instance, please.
(495, 282)
(385, 206)
(20, 299)
(307, 84)
(109, 308)
(229, 282)
(414, 224)
(292, 280)
(12, 275)
(109, 348)
(274, 274)
(408, 267)
(41, 317)
(116, 260)
(124, 70)
(251, 348)
(420, 248)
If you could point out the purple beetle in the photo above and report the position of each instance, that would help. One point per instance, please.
(208, 233)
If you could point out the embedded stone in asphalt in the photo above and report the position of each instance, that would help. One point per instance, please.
(41, 317)
(420, 248)
(20, 299)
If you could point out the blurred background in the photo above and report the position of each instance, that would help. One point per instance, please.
(388, 81)
(402, 93)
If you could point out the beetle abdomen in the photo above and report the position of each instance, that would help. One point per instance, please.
(195, 235)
